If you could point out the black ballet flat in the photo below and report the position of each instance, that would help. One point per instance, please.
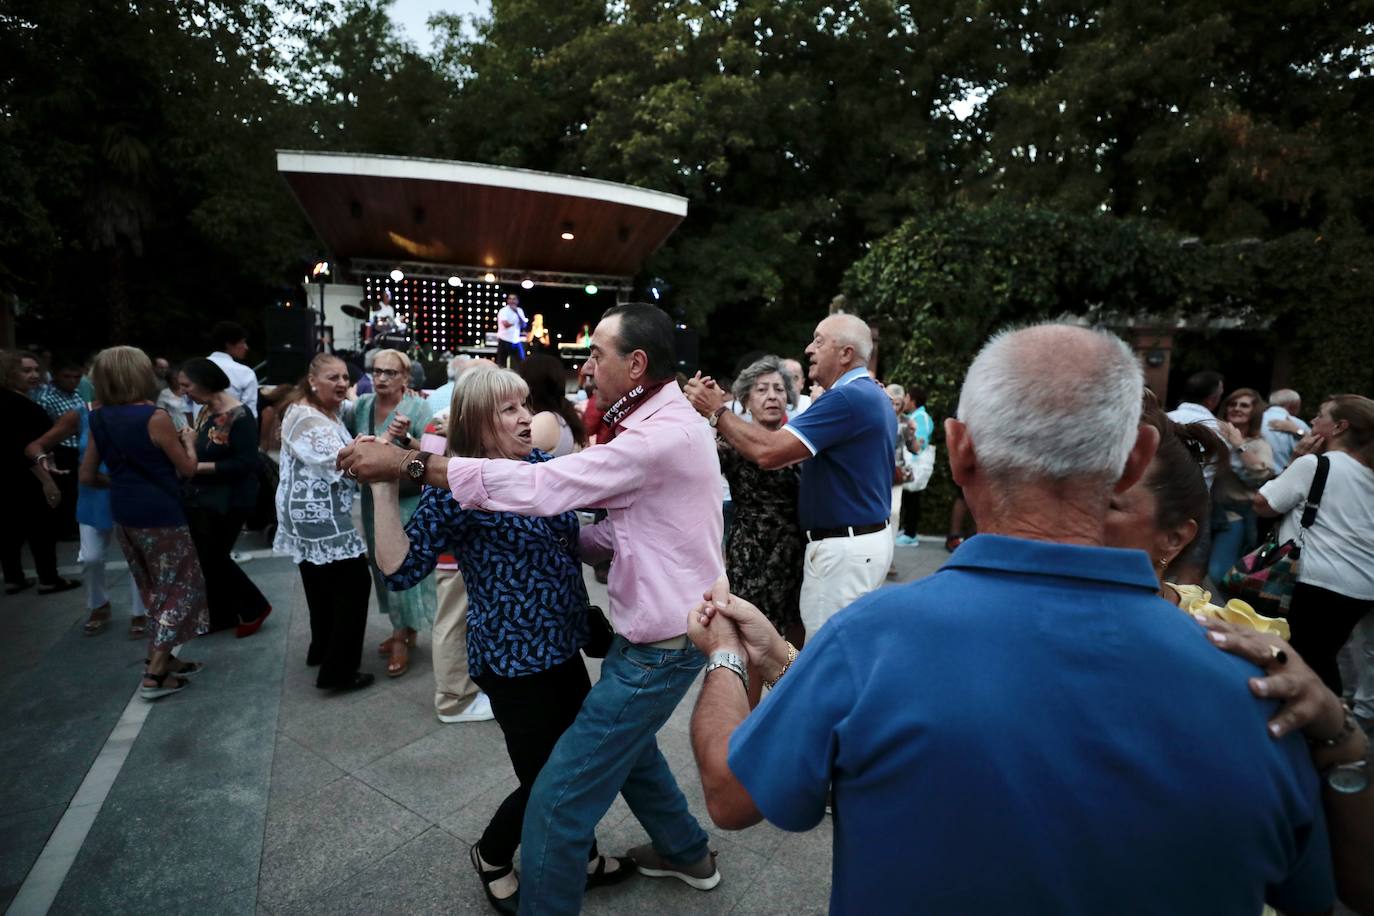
(357, 682)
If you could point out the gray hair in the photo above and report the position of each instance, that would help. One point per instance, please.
(455, 366)
(760, 367)
(1053, 401)
(852, 331)
(1285, 397)
(895, 391)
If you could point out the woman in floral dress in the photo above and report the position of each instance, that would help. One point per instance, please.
(764, 557)
(145, 456)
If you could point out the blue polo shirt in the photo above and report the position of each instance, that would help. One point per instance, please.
(1032, 730)
(851, 434)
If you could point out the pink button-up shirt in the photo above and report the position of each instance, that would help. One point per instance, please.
(659, 480)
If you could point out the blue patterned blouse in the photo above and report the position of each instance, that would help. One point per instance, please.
(527, 602)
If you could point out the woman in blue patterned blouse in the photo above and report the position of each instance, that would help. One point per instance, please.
(527, 611)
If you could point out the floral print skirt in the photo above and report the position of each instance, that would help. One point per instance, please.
(167, 572)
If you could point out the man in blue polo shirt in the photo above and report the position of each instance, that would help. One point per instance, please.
(1031, 729)
(846, 486)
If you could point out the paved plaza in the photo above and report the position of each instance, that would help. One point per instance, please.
(253, 792)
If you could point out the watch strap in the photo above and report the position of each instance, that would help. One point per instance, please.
(728, 660)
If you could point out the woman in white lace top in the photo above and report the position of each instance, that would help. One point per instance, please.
(315, 526)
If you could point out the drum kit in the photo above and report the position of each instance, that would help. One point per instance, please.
(381, 329)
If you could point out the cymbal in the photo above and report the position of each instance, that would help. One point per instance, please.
(354, 311)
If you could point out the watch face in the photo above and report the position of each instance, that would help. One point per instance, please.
(415, 468)
(1348, 779)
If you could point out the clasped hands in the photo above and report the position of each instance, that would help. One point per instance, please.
(704, 394)
(369, 459)
(723, 622)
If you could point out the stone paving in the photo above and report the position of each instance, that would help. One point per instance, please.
(252, 792)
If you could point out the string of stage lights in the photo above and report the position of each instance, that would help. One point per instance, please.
(440, 314)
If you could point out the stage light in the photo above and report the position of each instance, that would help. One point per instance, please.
(527, 283)
(567, 305)
(454, 281)
(397, 275)
(590, 289)
(490, 277)
(567, 234)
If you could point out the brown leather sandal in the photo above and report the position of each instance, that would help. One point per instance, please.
(100, 618)
(399, 663)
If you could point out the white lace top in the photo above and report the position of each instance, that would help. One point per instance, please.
(314, 501)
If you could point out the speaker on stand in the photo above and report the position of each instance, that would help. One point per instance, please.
(290, 342)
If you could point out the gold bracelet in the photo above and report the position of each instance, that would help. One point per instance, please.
(791, 657)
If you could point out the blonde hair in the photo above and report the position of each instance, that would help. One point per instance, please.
(12, 368)
(123, 375)
(472, 416)
(399, 357)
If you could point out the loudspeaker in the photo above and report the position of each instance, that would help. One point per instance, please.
(290, 343)
(686, 349)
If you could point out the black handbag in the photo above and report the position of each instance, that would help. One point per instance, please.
(601, 634)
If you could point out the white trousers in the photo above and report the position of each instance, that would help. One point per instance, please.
(95, 544)
(453, 688)
(838, 571)
(1357, 667)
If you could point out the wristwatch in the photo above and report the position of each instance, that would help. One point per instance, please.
(1348, 778)
(728, 660)
(415, 467)
(715, 417)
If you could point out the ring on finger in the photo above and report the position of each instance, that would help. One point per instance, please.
(1279, 656)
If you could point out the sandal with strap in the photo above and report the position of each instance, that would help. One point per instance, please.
(602, 878)
(100, 618)
(509, 905)
(161, 690)
(138, 626)
(399, 662)
(186, 670)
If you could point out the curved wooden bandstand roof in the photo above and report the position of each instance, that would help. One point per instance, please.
(407, 210)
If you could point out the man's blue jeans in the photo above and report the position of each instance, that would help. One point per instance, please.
(609, 748)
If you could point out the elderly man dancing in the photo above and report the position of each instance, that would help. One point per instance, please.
(1031, 729)
(659, 479)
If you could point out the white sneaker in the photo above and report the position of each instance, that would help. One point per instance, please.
(479, 710)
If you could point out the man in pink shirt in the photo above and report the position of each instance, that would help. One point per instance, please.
(658, 479)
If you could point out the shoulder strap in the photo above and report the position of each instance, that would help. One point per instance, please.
(1314, 495)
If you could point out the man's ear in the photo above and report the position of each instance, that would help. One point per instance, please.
(1142, 453)
(963, 462)
(639, 365)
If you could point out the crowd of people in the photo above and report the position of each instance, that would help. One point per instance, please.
(1062, 719)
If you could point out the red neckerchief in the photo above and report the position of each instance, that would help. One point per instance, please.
(617, 412)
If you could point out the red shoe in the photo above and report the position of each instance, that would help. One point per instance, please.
(952, 542)
(248, 629)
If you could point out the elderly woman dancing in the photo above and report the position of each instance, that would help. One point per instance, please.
(764, 555)
(527, 612)
(145, 455)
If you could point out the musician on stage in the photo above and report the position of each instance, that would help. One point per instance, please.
(510, 322)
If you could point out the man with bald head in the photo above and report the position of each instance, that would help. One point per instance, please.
(1031, 729)
(846, 439)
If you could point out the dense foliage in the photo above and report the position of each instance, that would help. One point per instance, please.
(1037, 157)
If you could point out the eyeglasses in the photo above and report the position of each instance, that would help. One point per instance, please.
(385, 373)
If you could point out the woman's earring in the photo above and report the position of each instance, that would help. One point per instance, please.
(1164, 563)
